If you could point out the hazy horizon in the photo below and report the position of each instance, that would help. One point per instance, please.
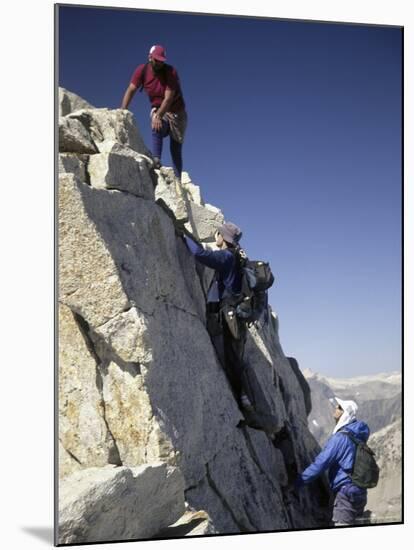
(371, 375)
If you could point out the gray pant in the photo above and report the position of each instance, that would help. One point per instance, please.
(349, 504)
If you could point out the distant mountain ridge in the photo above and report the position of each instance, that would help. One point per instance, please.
(391, 379)
(378, 398)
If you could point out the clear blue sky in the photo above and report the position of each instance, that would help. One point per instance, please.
(295, 133)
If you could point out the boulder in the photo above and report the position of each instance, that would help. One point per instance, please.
(69, 102)
(111, 125)
(121, 172)
(145, 161)
(74, 137)
(110, 504)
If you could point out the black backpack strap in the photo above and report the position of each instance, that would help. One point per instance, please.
(241, 260)
(351, 437)
(358, 442)
(144, 74)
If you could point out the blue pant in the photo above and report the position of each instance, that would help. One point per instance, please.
(175, 147)
(349, 504)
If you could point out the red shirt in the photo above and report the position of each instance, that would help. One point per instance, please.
(155, 85)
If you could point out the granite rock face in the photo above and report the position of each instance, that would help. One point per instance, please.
(139, 381)
(83, 431)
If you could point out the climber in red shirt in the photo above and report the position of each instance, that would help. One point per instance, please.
(168, 115)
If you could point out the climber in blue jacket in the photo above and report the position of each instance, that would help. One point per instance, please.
(223, 261)
(228, 335)
(337, 457)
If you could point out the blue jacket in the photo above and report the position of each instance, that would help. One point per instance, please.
(337, 456)
(228, 279)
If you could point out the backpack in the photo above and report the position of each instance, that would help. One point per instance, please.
(365, 471)
(257, 278)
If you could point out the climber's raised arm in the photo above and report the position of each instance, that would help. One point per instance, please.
(129, 94)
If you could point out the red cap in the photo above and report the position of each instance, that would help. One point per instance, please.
(158, 52)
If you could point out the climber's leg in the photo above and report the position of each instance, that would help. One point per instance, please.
(177, 157)
(157, 137)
